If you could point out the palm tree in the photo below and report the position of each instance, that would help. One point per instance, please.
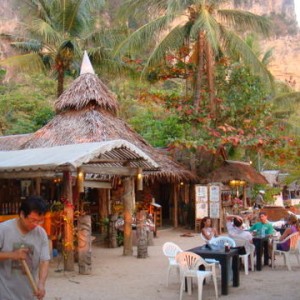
(54, 36)
(204, 25)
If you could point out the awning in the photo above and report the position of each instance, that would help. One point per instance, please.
(116, 153)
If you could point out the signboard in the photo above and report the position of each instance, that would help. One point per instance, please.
(201, 200)
(214, 201)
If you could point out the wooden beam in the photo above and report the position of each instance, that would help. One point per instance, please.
(25, 175)
(97, 184)
(122, 171)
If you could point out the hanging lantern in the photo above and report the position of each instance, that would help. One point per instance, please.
(140, 179)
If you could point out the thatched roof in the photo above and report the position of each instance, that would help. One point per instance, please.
(13, 142)
(86, 112)
(233, 170)
(94, 125)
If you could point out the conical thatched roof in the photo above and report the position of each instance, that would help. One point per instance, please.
(235, 170)
(86, 112)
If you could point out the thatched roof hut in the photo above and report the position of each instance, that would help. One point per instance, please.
(86, 112)
(233, 170)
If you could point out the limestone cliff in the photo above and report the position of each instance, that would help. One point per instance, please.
(285, 44)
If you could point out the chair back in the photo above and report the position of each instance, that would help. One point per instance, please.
(221, 240)
(189, 262)
(239, 242)
(294, 239)
(170, 250)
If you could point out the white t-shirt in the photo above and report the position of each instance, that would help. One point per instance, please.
(235, 232)
(14, 283)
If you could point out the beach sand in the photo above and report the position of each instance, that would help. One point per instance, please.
(115, 276)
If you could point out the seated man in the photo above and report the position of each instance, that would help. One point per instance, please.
(235, 229)
(263, 226)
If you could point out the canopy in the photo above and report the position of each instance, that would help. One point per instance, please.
(116, 153)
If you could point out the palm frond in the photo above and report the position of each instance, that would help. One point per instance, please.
(207, 24)
(245, 20)
(143, 36)
(31, 62)
(43, 30)
(173, 40)
(236, 47)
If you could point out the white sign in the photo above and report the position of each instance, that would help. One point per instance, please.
(214, 193)
(214, 210)
(201, 201)
(201, 193)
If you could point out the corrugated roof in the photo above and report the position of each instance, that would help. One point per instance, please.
(74, 156)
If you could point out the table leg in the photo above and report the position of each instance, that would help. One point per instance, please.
(224, 275)
(236, 270)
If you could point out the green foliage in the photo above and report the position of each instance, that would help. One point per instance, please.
(26, 106)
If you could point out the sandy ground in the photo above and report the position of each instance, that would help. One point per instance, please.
(116, 276)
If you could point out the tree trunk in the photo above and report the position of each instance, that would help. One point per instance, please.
(84, 245)
(210, 78)
(128, 198)
(141, 233)
(200, 70)
(60, 81)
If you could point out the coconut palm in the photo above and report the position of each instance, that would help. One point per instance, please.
(204, 25)
(54, 36)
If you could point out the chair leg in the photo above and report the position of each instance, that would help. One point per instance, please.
(245, 258)
(252, 261)
(273, 259)
(189, 285)
(182, 286)
(287, 261)
(200, 286)
(297, 255)
(215, 284)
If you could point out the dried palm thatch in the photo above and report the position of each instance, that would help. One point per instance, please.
(233, 170)
(95, 124)
(85, 90)
(13, 142)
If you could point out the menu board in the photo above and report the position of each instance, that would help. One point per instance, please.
(201, 201)
(214, 201)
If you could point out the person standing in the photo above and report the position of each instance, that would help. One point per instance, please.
(23, 239)
(259, 199)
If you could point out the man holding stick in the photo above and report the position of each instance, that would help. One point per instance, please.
(24, 253)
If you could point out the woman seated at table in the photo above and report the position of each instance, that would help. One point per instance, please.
(293, 226)
(206, 229)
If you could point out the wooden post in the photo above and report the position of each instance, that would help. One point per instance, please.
(128, 198)
(84, 245)
(175, 197)
(68, 245)
(38, 186)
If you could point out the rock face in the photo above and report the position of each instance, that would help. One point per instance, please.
(286, 49)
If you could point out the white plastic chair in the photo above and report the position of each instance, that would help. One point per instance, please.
(294, 249)
(170, 250)
(250, 248)
(189, 263)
